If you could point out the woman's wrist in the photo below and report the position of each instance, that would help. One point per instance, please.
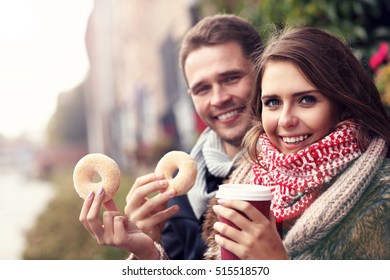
(153, 254)
(156, 252)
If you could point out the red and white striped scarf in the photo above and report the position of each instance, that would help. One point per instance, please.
(297, 179)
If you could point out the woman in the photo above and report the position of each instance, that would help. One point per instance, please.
(320, 144)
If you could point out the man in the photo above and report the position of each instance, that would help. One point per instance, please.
(216, 58)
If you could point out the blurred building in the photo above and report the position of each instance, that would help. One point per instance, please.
(136, 98)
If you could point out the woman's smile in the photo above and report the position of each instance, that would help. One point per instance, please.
(294, 143)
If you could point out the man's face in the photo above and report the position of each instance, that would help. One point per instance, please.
(220, 82)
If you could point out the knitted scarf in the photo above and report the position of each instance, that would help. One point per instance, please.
(297, 179)
(337, 201)
(210, 154)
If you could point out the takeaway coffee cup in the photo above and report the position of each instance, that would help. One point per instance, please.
(257, 195)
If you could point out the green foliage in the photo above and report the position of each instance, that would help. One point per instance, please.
(68, 125)
(364, 23)
(58, 233)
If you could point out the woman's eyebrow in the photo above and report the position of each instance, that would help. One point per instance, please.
(295, 94)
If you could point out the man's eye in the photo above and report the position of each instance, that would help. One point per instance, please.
(201, 90)
(231, 79)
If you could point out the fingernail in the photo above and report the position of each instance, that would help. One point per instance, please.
(89, 195)
(100, 191)
(163, 183)
(221, 201)
(215, 207)
(171, 193)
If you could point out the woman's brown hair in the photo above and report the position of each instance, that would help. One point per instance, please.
(330, 66)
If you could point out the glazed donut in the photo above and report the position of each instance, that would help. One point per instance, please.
(100, 164)
(181, 161)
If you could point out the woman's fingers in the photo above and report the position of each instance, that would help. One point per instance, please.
(114, 228)
(110, 205)
(93, 220)
(256, 238)
(85, 210)
(228, 244)
(234, 210)
(108, 223)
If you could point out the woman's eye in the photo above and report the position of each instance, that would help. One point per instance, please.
(308, 99)
(271, 103)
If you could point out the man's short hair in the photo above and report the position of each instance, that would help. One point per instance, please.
(219, 29)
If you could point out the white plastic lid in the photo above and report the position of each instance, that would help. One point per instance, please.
(246, 192)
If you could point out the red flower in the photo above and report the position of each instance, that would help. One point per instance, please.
(380, 56)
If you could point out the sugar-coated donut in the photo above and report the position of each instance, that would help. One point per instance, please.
(181, 161)
(100, 164)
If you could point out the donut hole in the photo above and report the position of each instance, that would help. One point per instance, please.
(96, 178)
(174, 174)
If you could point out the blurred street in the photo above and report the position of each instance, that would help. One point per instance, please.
(22, 200)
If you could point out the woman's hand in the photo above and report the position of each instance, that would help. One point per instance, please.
(150, 213)
(258, 238)
(115, 229)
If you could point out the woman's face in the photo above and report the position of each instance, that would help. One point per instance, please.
(294, 114)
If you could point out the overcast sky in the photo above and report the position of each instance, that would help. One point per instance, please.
(42, 53)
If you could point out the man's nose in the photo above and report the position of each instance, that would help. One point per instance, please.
(219, 95)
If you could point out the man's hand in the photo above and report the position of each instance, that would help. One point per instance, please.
(149, 213)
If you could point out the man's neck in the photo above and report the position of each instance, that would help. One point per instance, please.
(231, 150)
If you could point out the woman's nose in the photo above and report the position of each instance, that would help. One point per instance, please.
(287, 118)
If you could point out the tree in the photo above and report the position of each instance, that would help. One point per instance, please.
(364, 23)
(68, 124)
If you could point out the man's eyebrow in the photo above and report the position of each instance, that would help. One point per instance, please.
(198, 84)
(235, 71)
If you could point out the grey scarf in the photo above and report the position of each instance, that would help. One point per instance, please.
(208, 153)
